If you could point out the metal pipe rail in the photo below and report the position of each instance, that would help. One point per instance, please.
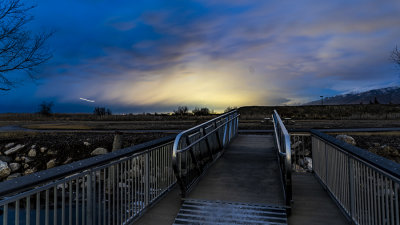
(364, 185)
(115, 188)
(195, 149)
(282, 139)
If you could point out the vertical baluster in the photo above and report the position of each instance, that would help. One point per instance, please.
(109, 192)
(369, 195)
(375, 193)
(117, 196)
(92, 198)
(396, 191)
(381, 200)
(357, 186)
(128, 188)
(28, 210)
(387, 209)
(63, 204)
(105, 182)
(5, 214)
(38, 208)
(46, 219)
(99, 203)
(391, 202)
(55, 205)
(70, 202)
(83, 201)
(77, 201)
(17, 212)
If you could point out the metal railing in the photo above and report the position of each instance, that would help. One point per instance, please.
(197, 148)
(115, 188)
(366, 186)
(282, 139)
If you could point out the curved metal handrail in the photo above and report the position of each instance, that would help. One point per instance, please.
(192, 152)
(282, 139)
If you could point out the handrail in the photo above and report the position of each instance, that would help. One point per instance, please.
(282, 139)
(377, 161)
(364, 185)
(25, 182)
(115, 188)
(195, 149)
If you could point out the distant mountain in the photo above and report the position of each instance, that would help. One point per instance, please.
(383, 96)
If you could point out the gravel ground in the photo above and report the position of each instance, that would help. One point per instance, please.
(63, 147)
(386, 146)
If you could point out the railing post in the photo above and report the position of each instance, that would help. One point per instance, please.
(217, 135)
(203, 133)
(326, 166)
(90, 210)
(225, 132)
(147, 178)
(351, 186)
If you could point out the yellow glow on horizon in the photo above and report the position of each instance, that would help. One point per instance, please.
(215, 88)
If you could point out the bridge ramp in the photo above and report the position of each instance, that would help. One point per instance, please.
(248, 172)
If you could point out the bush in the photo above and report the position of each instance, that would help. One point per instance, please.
(182, 110)
(102, 111)
(201, 112)
(45, 108)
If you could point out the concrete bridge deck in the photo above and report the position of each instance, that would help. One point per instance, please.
(248, 172)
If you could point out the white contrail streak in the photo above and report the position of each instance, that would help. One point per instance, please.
(84, 99)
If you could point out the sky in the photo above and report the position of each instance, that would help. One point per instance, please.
(153, 56)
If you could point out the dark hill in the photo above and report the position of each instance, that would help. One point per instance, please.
(390, 95)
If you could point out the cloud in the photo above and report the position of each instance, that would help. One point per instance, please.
(200, 52)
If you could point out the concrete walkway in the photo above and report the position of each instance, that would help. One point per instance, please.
(248, 172)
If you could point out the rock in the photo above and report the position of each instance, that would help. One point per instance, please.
(69, 159)
(60, 186)
(9, 145)
(5, 159)
(26, 159)
(117, 143)
(14, 166)
(86, 143)
(4, 169)
(26, 166)
(308, 162)
(18, 159)
(29, 171)
(51, 163)
(346, 138)
(43, 149)
(296, 144)
(99, 151)
(32, 153)
(14, 149)
(14, 175)
(50, 152)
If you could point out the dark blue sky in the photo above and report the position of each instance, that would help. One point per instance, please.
(147, 56)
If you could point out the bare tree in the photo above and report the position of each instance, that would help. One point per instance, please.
(45, 108)
(182, 110)
(20, 49)
(396, 56)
